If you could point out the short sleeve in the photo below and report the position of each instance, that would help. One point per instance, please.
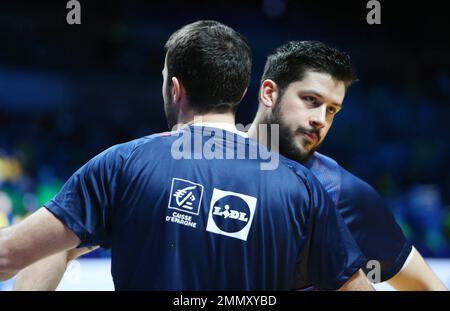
(373, 226)
(85, 202)
(331, 256)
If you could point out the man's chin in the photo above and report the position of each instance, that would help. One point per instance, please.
(294, 147)
(304, 153)
(295, 152)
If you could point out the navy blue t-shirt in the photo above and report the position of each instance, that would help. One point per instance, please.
(371, 223)
(179, 223)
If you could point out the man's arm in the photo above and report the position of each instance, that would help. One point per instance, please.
(416, 275)
(46, 274)
(43, 275)
(358, 282)
(36, 237)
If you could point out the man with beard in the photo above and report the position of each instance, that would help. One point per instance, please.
(194, 224)
(302, 89)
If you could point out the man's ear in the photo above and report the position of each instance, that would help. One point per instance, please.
(268, 93)
(178, 91)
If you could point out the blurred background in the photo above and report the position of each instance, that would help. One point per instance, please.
(68, 92)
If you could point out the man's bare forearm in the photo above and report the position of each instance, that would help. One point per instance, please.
(417, 275)
(358, 282)
(36, 237)
(7, 262)
(43, 275)
(46, 274)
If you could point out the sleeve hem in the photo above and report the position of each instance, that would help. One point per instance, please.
(399, 262)
(345, 275)
(69, 221)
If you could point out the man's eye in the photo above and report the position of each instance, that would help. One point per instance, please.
(331, 110)
(309, 99)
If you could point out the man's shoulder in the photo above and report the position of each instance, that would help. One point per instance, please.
(351, 194)
(328, 172)
(339, 182)
(312, 184)
(357, 188)
(294, 168)
(319, 159)
(123, 151)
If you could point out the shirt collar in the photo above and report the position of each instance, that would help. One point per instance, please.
(223, 126)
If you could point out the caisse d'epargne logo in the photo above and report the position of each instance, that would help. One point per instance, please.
(185, 196)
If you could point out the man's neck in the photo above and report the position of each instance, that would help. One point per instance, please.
(227, 118)
(255, 134)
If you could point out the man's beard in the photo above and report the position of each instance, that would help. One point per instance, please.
(172, 119)
(287, 140)
(171, 115)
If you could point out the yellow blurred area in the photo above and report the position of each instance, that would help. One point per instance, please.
(3, 220)
(10, 169)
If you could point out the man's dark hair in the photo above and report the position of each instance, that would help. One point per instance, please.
(213, 63)
(289, 63)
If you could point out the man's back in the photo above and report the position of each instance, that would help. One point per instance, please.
(188, 224)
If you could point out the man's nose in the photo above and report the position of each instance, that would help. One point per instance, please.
(318, 117)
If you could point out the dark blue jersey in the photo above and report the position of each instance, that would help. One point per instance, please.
(366, 215)
(178, 218)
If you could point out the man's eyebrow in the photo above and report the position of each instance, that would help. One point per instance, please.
(321, 97)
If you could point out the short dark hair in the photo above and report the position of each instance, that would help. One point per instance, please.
(289, 63)
(213, 61)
